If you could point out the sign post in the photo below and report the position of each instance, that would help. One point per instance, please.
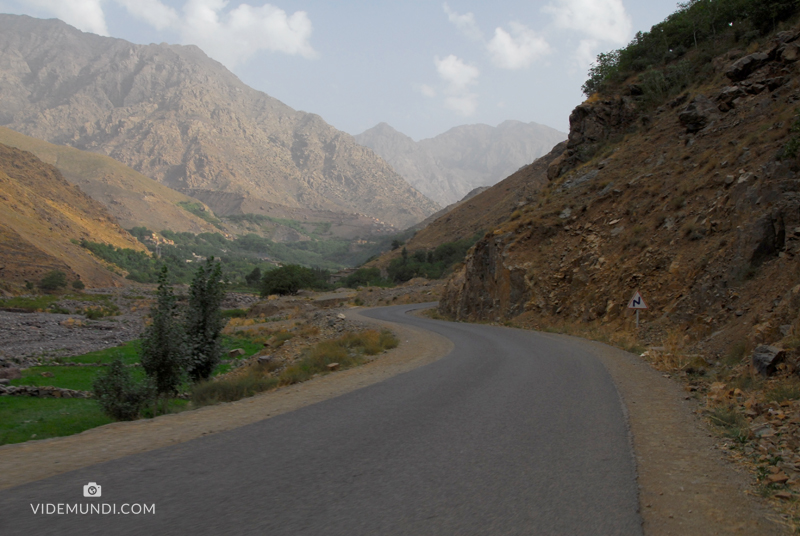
(637, 303)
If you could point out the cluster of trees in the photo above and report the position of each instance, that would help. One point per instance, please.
(431, 264)
(291, 278)
(177, 346)
(55, 280)
(694, 24)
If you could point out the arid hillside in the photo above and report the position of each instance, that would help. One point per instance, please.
(133, 199)
(177, 116)
(695, 203)
(40, 216)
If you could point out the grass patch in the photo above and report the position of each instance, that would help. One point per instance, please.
(786, 390)
(234, 313)
(25, 418)
(128, 353)
(30, 303)
(731, 422)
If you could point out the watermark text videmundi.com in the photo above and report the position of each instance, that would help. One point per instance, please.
(93, 490)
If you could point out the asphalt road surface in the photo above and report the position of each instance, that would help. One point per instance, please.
(513, 432)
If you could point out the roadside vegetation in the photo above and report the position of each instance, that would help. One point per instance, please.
(678, 51)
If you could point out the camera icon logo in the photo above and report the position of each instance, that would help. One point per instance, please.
(92, 489)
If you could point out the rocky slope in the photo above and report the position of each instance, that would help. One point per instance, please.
(450, 165)
(133, 199)
(696, 204)
(41, 214)
(175, 115)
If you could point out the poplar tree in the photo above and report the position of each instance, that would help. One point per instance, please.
(163, 353)
(204, 320)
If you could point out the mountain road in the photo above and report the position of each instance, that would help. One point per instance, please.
(512, 432)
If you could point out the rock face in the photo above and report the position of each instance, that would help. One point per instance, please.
(177, 116)
(705, 227)
(450, 165)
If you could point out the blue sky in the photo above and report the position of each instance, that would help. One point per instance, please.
(421, 66)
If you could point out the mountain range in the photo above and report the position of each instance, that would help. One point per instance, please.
(449, 166)
(177, 116)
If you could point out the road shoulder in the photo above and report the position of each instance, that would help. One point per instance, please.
(686, 486)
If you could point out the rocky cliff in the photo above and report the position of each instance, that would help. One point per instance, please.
(41, 214)
(695, 203)
(179, 117)
(450, 165)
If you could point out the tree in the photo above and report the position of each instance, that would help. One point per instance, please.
(163, 353)
(120, 396)
(53, 280)
(291, 278)
(254, 277)
(204, 320)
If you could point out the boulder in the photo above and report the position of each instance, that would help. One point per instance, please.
(766, 358)
(789, 53)
(727, 97)
(746, 66)
(236, 352)
(264, 359)
(10, 373)
(698, 114)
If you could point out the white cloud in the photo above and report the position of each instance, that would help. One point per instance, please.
(518, 49)
(426, 90)
(586, 53)
(458, 77)
(603, 20)
(153, 12)
(465, 23)
(86, 15)
(230, 36)
(234, 36)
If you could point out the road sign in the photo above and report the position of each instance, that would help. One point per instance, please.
(637, 302)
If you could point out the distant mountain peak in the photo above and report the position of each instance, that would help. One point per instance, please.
(448, 166)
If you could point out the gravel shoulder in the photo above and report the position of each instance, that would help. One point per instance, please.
(686, 485)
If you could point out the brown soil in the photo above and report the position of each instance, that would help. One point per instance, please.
(687, 486)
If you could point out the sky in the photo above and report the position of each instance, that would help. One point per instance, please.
(421, 66)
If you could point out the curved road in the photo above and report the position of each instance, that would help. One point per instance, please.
(511, 433)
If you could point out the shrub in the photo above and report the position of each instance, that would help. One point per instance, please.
(53, 280)
(78, 285)
(291, 278)
(120, 396)
(231, 389)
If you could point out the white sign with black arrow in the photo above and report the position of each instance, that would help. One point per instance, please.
(637, 303)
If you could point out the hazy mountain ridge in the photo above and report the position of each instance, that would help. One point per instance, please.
(175, 115)
(450, 165)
